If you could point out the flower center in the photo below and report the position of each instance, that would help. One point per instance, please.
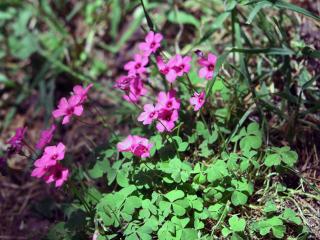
(152, 45)
(138, 65)
(151, 114)
(179, 68)
(211, 67)
(70, 110)
(169, 104)
(57, 174)
(54, 157)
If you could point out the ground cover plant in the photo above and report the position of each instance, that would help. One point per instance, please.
(217, 104)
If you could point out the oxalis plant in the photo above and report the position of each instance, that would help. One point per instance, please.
(190, 168)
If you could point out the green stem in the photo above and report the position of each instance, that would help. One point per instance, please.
(222, 217)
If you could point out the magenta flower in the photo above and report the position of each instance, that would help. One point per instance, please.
(123, 82)
(82, 92)
(39, 172)
(178, 66)
(57, 174)
(142, 150)
(151, 44)
(67, 108)
(168, 100)
(136, 90)
(137, 66)
(150, 113)
(16, 142)
(137, 145)
(51, 155)
(162, 66)
(48, 166)
(45, 137)
(126, 144)
(198, 100)
(208, 66)
(167, 119)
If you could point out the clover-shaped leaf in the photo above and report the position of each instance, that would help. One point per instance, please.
(237, 224)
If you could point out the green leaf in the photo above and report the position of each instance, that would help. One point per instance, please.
(278, 231)
(131, 204)
(179, 210)
(225, 231)
(182, 17)
(268, 51)
(238, 198)
(295, 8)
(174, 195)
(216, 210)
(122, 179)
(270, 207)
(272, 160)
(290, 215)
(237, 224)
(256, 10)
(217, 171)
(289, 157)
(275, 224)
(189, 234)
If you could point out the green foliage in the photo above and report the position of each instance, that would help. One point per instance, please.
(217, 175)
(281, 155)
(175, 199)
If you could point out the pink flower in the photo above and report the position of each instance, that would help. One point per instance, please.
(150, 113)
(151, 44)
(82, 92)
(39, 172)
(141, 147)
(126, 144)
(167, 118)
(137, 66)
(162, 66)
(168, 100)
(198, 100)
(57, 174)
(16, 142)
(123, 82)
(67, 108)
(137, 145)
(136, 90)
(48, 166)
(208, 66)
(45, 137)
(178, 66)
(51, 155)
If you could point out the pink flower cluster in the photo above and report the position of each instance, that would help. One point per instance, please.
(197, 100)
(165, 112)
(133, 83)
(175, 67)
(137, 145)
(72, 106)
(208, 66)
(48, 166)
